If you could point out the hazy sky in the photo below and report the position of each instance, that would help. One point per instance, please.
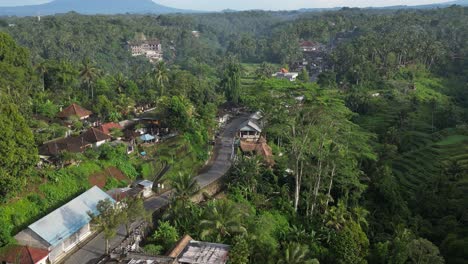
(210, 5)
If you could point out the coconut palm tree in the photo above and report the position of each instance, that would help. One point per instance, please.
(222, 219)
(184, 186)
(120, 83)
(161, 76)
(337, 216)
(296, 254)
(42, 69)
(88, 74)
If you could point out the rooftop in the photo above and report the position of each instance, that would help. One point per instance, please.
(68, 219)
(74, 110)
(250, 125)
(107, 127)
(189, 251)
(22, 254)
(75, 144)
(197, 252)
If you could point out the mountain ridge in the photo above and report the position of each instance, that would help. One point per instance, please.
(91, 7)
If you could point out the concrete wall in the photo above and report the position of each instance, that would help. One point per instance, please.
(209, 190)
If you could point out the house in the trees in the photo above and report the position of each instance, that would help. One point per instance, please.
(74, 144)
(95, 137)
(23, 255)
(285, 74)
(151, 49)
(309, 46)
(60, 231)
(108, 128)
(74, 110)
(249, 131)
(259, 148)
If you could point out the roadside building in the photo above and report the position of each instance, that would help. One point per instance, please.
(60, 231)
(189, 251)
(147, 188)
(23, 255)
(249, 131)
(74, 110)
(260, 148)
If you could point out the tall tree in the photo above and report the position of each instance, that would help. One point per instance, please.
(17, 149)
(133, 210)
(161, 77)
(184, 185)
(221, 220)
(296, 254)
(107, 220)
(231, 81)
(89, 74)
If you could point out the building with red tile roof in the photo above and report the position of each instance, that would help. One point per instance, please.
(108, 127)
(75, 110)
(23, 255)
(260, 148)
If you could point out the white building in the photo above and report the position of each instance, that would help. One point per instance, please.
(147, 187)
(249, 131)
(151, 49)
(285, 74)
(60, 231)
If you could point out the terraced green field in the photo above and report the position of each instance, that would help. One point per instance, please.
(417, 166)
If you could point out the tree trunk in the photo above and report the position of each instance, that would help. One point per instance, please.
(316, 189)
(330, 186)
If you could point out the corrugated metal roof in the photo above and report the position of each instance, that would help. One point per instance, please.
(250, 126)
(68, 219)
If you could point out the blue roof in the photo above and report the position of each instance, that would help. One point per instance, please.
(68, 219)
(147, 137)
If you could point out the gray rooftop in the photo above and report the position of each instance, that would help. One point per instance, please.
(71, 217)
(250, 125)
(198, 252)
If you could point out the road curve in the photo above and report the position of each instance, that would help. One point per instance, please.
(94, 250)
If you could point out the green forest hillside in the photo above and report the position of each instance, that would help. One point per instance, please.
(369, 143)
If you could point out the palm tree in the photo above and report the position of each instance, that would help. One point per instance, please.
(88, 74)
(184, 186)
(296, 254)
(42, 69)
(161, 76)
(222, 219)
(337, 216)
(120, 82)
(359, 214)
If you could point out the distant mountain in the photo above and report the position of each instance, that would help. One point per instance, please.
(91, 7)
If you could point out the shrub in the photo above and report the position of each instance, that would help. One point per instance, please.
(153, 249)
(166, 235)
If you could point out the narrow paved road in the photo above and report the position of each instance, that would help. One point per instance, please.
(94, 250)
